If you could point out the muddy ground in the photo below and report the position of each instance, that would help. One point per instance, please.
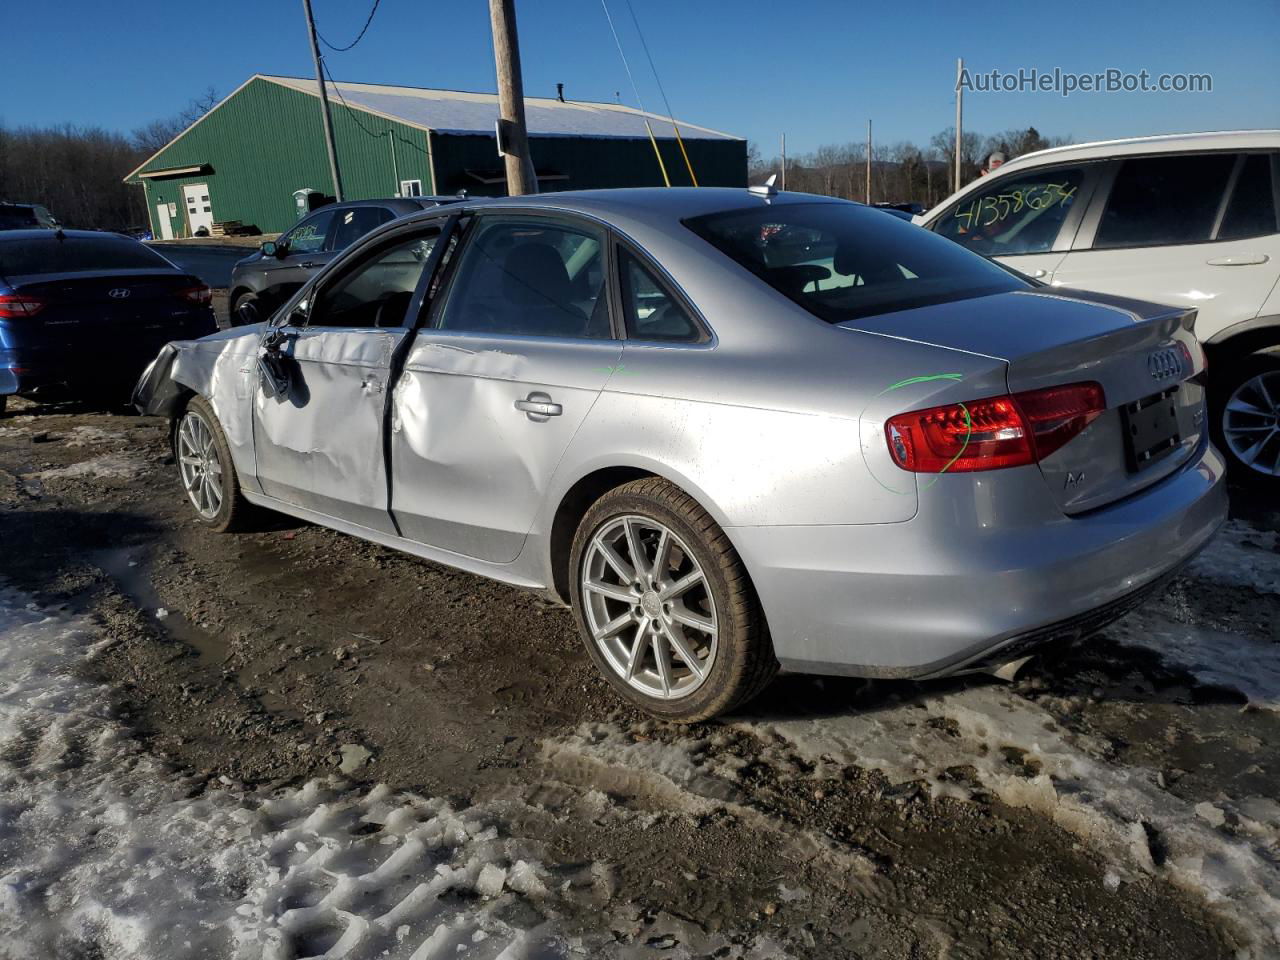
(259, 657)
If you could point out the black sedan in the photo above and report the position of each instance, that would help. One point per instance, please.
(82, 313)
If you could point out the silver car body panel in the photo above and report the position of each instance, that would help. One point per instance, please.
(320, 446)
(222, 368)
(775, 426)
(469, 469)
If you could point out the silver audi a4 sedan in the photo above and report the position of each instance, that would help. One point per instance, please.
(734, 429)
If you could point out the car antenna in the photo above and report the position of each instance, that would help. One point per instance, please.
(766, 189)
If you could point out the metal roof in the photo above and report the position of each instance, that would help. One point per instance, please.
(456, 111)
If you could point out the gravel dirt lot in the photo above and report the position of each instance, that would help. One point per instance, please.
(1117, 800)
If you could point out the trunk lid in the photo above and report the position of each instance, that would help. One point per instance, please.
(81, 309)
(1154, 418)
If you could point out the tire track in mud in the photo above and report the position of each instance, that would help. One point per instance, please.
(107, 852)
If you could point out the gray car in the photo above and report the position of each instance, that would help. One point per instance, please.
(733, 429)
(269, 276)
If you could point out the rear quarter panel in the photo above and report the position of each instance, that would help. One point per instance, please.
(792, 435)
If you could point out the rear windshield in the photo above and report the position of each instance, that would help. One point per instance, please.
(841, 261)
(26, 257)
(15, 218)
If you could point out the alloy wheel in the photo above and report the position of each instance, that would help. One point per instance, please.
(198, 462)
(1251, 423)
(649, 607)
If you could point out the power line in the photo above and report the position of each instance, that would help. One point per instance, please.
(665, 102)
(652, 139)
(626, 66)
(359, 36)
(355, 114)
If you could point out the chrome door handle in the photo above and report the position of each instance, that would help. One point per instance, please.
(371, 385)
(538, 407)
(307, 266)
(1239, 260)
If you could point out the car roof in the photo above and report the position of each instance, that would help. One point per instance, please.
(631, 205)
(1164, 143)
(44, 233)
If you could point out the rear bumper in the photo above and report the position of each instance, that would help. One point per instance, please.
(984, 571)
(92, 366)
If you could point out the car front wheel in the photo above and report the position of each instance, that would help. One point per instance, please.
(1246, 419)
(205, 466)
(664, 604)
(244, 311)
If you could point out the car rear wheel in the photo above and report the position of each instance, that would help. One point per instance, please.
(664, 604)
(1246, 419)
(4, 402)
(207, 472)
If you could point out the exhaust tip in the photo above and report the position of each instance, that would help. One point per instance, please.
(1008, 670)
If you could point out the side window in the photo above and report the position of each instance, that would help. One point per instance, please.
(354, 223)
(1252, 209)
(1156, 201)
(529, 278)
(377, 291)
(1018, 213)
(309, 236)
(651, 313)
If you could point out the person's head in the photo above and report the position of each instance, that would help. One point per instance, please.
(995, 160)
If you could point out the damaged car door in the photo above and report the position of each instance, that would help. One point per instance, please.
(319, 415)
(516, 351)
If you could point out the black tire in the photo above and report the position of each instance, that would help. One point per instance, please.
(1239, 371)
(4, 402)
(244, 300)
(743, 663)
(234, 511)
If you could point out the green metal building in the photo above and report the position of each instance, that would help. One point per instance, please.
(245, 159)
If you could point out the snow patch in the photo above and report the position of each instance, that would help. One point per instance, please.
(106, 852)
(110, 466)
(1242, 663)
(1025, 758)
(91, 437)
(1240, 555)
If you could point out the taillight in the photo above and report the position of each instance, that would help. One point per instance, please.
(196, 294)
(1189, 363)
(993, 433)
(14, 305)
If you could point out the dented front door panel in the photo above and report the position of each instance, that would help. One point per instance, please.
(478, 425)
(319, 444)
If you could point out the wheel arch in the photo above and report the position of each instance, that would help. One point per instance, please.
(577, 499)
(1259, 335)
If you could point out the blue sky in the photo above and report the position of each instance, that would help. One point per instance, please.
(817, 70)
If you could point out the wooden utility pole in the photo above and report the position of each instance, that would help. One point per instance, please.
(868, 163)
(324, 103)
(959, 116)
(784, 161)
(521, 178)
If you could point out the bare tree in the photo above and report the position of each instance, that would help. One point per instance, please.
(74, 171)
(155, 135)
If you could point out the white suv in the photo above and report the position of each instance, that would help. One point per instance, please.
(1192, 220)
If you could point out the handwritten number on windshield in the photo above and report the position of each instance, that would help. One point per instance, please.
(993, 208)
